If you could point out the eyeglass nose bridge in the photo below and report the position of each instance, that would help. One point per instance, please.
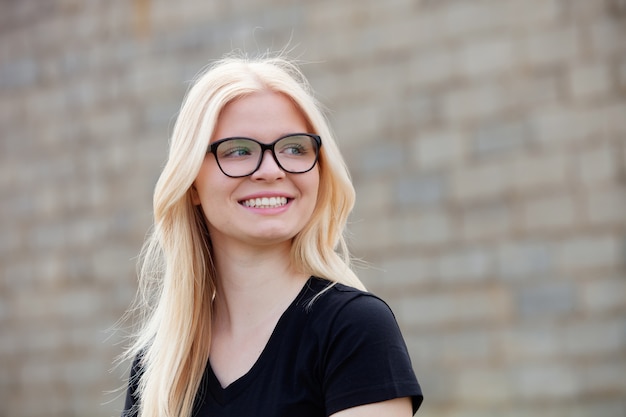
(268, 147)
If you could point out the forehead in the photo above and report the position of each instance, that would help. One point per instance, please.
(263, 115)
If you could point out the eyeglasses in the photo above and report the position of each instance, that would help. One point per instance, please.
(295, 153)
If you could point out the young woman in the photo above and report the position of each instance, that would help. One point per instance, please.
(249, 308)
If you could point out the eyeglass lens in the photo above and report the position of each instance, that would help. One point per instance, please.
(238, 157)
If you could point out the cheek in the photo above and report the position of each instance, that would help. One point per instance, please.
(317, 188)
(313, 188)
(309, 182)
(316, 180)
(207, 185)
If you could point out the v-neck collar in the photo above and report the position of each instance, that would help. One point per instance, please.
(225, 395)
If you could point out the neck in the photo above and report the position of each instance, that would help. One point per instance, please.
(253, 285)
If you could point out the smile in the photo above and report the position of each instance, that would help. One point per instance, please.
(265, 202)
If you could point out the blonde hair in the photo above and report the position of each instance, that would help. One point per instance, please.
(177, 278)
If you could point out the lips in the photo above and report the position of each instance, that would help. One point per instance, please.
(265, 202)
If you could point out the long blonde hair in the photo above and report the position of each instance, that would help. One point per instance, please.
(176, 276)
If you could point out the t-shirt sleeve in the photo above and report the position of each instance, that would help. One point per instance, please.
(367, 360)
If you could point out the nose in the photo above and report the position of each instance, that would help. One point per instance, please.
(269, 169)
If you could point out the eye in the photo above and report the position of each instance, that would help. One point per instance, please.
(235, 152)
(236, 148)
(294, 149)
(295, 146)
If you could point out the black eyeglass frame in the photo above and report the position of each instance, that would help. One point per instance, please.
(267, 147)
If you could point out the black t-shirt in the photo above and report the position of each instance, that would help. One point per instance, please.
(343, 350)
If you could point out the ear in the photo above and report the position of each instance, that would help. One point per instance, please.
(195, 198)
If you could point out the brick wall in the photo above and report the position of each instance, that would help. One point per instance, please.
(487, 143)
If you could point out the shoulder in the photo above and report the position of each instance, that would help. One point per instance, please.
(332, 294)
(339, 305)
(363, 358)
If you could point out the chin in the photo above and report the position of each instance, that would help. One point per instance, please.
(274, 237)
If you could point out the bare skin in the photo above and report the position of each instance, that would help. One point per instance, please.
(251, 247)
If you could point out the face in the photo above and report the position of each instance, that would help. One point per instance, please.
(270, 206)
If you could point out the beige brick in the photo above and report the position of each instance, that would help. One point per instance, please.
(463, 19)
(407, 30)
(594, 338)
(433, 67)
(438, 149)
(540, 172)
(421, 110)
(427, 346)
(378, 159)
(532, 341)
(486, 221)
(607, 206)
(433, 310)
(461, 347)
(603, 375)
(500, 137)
(467, 265)
(483, 182)
(614, 120)
(328, 14)
(50, 269)
(487, 57)
(353, 84)
(603, 295)
(426, 228)
(389, 10)
(24, 405)
(529, 173)
(33, 308)
(545, 48)
(598, 165)
(560, 126)
(331, 42)
(610, 407)
(620, 154)
(114, 123)
(49, 103)
(355, 125)
(544, 13)
(536, 91)
(370, 234)
(588, 10)
(479, 305)
(518, 260)
(372, 197)
(408, 271)
(621, 74)
(200, 12)
(546, 300)
(606, 36)
(496, 386)
(551, 381)
(602, 251)
(419, 191)
(589, 82)
(341, 88)
(553, 212)
(481, 100)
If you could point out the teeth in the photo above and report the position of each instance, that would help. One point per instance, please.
(265, 202)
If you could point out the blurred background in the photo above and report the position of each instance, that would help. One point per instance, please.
(487, 143)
